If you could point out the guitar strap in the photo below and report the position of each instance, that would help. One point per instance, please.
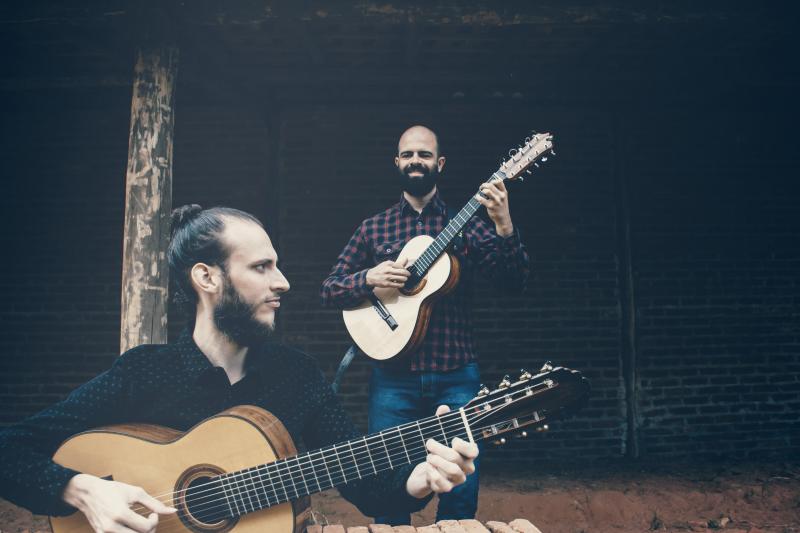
(349, 355)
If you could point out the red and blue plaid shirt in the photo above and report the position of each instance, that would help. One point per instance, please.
(448, 343)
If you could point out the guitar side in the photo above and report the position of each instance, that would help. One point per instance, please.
(411, 311)
(158, 460)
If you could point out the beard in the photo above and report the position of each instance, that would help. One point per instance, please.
(236, 319)
(418, 186)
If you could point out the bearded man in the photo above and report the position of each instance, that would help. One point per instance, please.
(444, 369)
(226, 272)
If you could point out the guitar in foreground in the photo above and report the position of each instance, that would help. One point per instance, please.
(393, 322)
(239, 470)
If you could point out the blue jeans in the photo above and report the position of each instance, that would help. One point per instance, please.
(399, 397)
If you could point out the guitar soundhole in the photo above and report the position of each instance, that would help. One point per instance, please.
(201, 501)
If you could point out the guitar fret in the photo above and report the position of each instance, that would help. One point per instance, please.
(247, 488)
(225, 492)
(388, 456)
(261, 476)
(291, 479)
(419, 428)
(355, 461)
(327, 470)
(341, 467)
(441, 427)
(243, 481)
(302, 476)
(314, 471)
(375, 470)
(282, 485)
(403, 443)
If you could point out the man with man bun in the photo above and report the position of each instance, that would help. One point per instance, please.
(226, 273)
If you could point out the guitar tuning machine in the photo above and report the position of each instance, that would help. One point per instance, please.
(483, 391)
(506, 383)
(524, 375)
(499, 442)
(523, 434)
(542, 429)
(547, 367)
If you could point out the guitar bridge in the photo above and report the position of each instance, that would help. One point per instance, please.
(384, 313)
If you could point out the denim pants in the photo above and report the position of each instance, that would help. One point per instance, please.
(399, 397)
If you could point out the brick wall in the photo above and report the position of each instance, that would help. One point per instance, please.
(713, 220)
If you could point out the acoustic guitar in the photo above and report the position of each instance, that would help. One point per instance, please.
(239, 470)
(393, 322)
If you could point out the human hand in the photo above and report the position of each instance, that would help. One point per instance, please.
(389, 274)
(444, 468)
(495, 198)
(107, 504)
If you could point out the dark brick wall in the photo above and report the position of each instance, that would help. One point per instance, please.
(711, 196)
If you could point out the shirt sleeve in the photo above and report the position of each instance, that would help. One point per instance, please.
(381, 494)
(503, 260)
(29, 477)
(346, 285)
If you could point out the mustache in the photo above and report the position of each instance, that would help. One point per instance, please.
(416, 168)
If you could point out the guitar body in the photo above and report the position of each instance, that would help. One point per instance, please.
(163, 461)
(411, 310)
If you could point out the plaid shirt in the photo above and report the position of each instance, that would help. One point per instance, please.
(448, 343)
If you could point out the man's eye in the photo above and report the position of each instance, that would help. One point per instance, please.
(260, 268)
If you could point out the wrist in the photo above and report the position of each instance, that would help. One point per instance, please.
(504, 230)
(76, 490)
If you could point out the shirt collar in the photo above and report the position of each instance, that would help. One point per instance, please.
(436, 205)
(196, 364)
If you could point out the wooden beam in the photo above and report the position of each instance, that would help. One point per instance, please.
(148, 199)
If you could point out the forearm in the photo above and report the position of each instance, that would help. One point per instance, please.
(345, 290)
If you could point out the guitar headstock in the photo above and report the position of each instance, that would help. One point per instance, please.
(536, 149)
(531, 400)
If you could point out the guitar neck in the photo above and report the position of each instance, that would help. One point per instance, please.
(287, 479)
(443, 240)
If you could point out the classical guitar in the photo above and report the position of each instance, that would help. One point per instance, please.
(393, 322)
(240, 471)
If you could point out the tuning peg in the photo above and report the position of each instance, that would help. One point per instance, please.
(521, 178)
(523, 434)
(524, 375)
(483, 391)
(552, 152)
(536, 165)
(547, 367)
(544, 160)
(499, 442)
(506, 383)
(542, 429)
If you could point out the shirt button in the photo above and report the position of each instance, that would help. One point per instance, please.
(388, 250)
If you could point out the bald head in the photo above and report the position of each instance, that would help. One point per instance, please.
(419, 137)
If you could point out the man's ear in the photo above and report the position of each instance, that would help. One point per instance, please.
(206, 278)
(440, 162)
(397, 162)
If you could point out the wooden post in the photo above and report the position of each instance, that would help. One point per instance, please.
(148, 199)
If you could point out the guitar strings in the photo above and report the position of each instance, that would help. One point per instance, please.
(221, 502)
(170, 521)
(395, 444)
(278, 474)
(391, 442)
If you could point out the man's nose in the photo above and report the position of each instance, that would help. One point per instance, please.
(280, 283)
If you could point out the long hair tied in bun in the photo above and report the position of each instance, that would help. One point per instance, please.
(180, 216)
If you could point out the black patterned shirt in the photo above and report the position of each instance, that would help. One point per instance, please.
(175, 385)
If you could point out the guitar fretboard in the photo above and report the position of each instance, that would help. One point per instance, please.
(270, 484)
(443, 240)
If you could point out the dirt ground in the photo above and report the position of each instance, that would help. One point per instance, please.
(727, 498)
